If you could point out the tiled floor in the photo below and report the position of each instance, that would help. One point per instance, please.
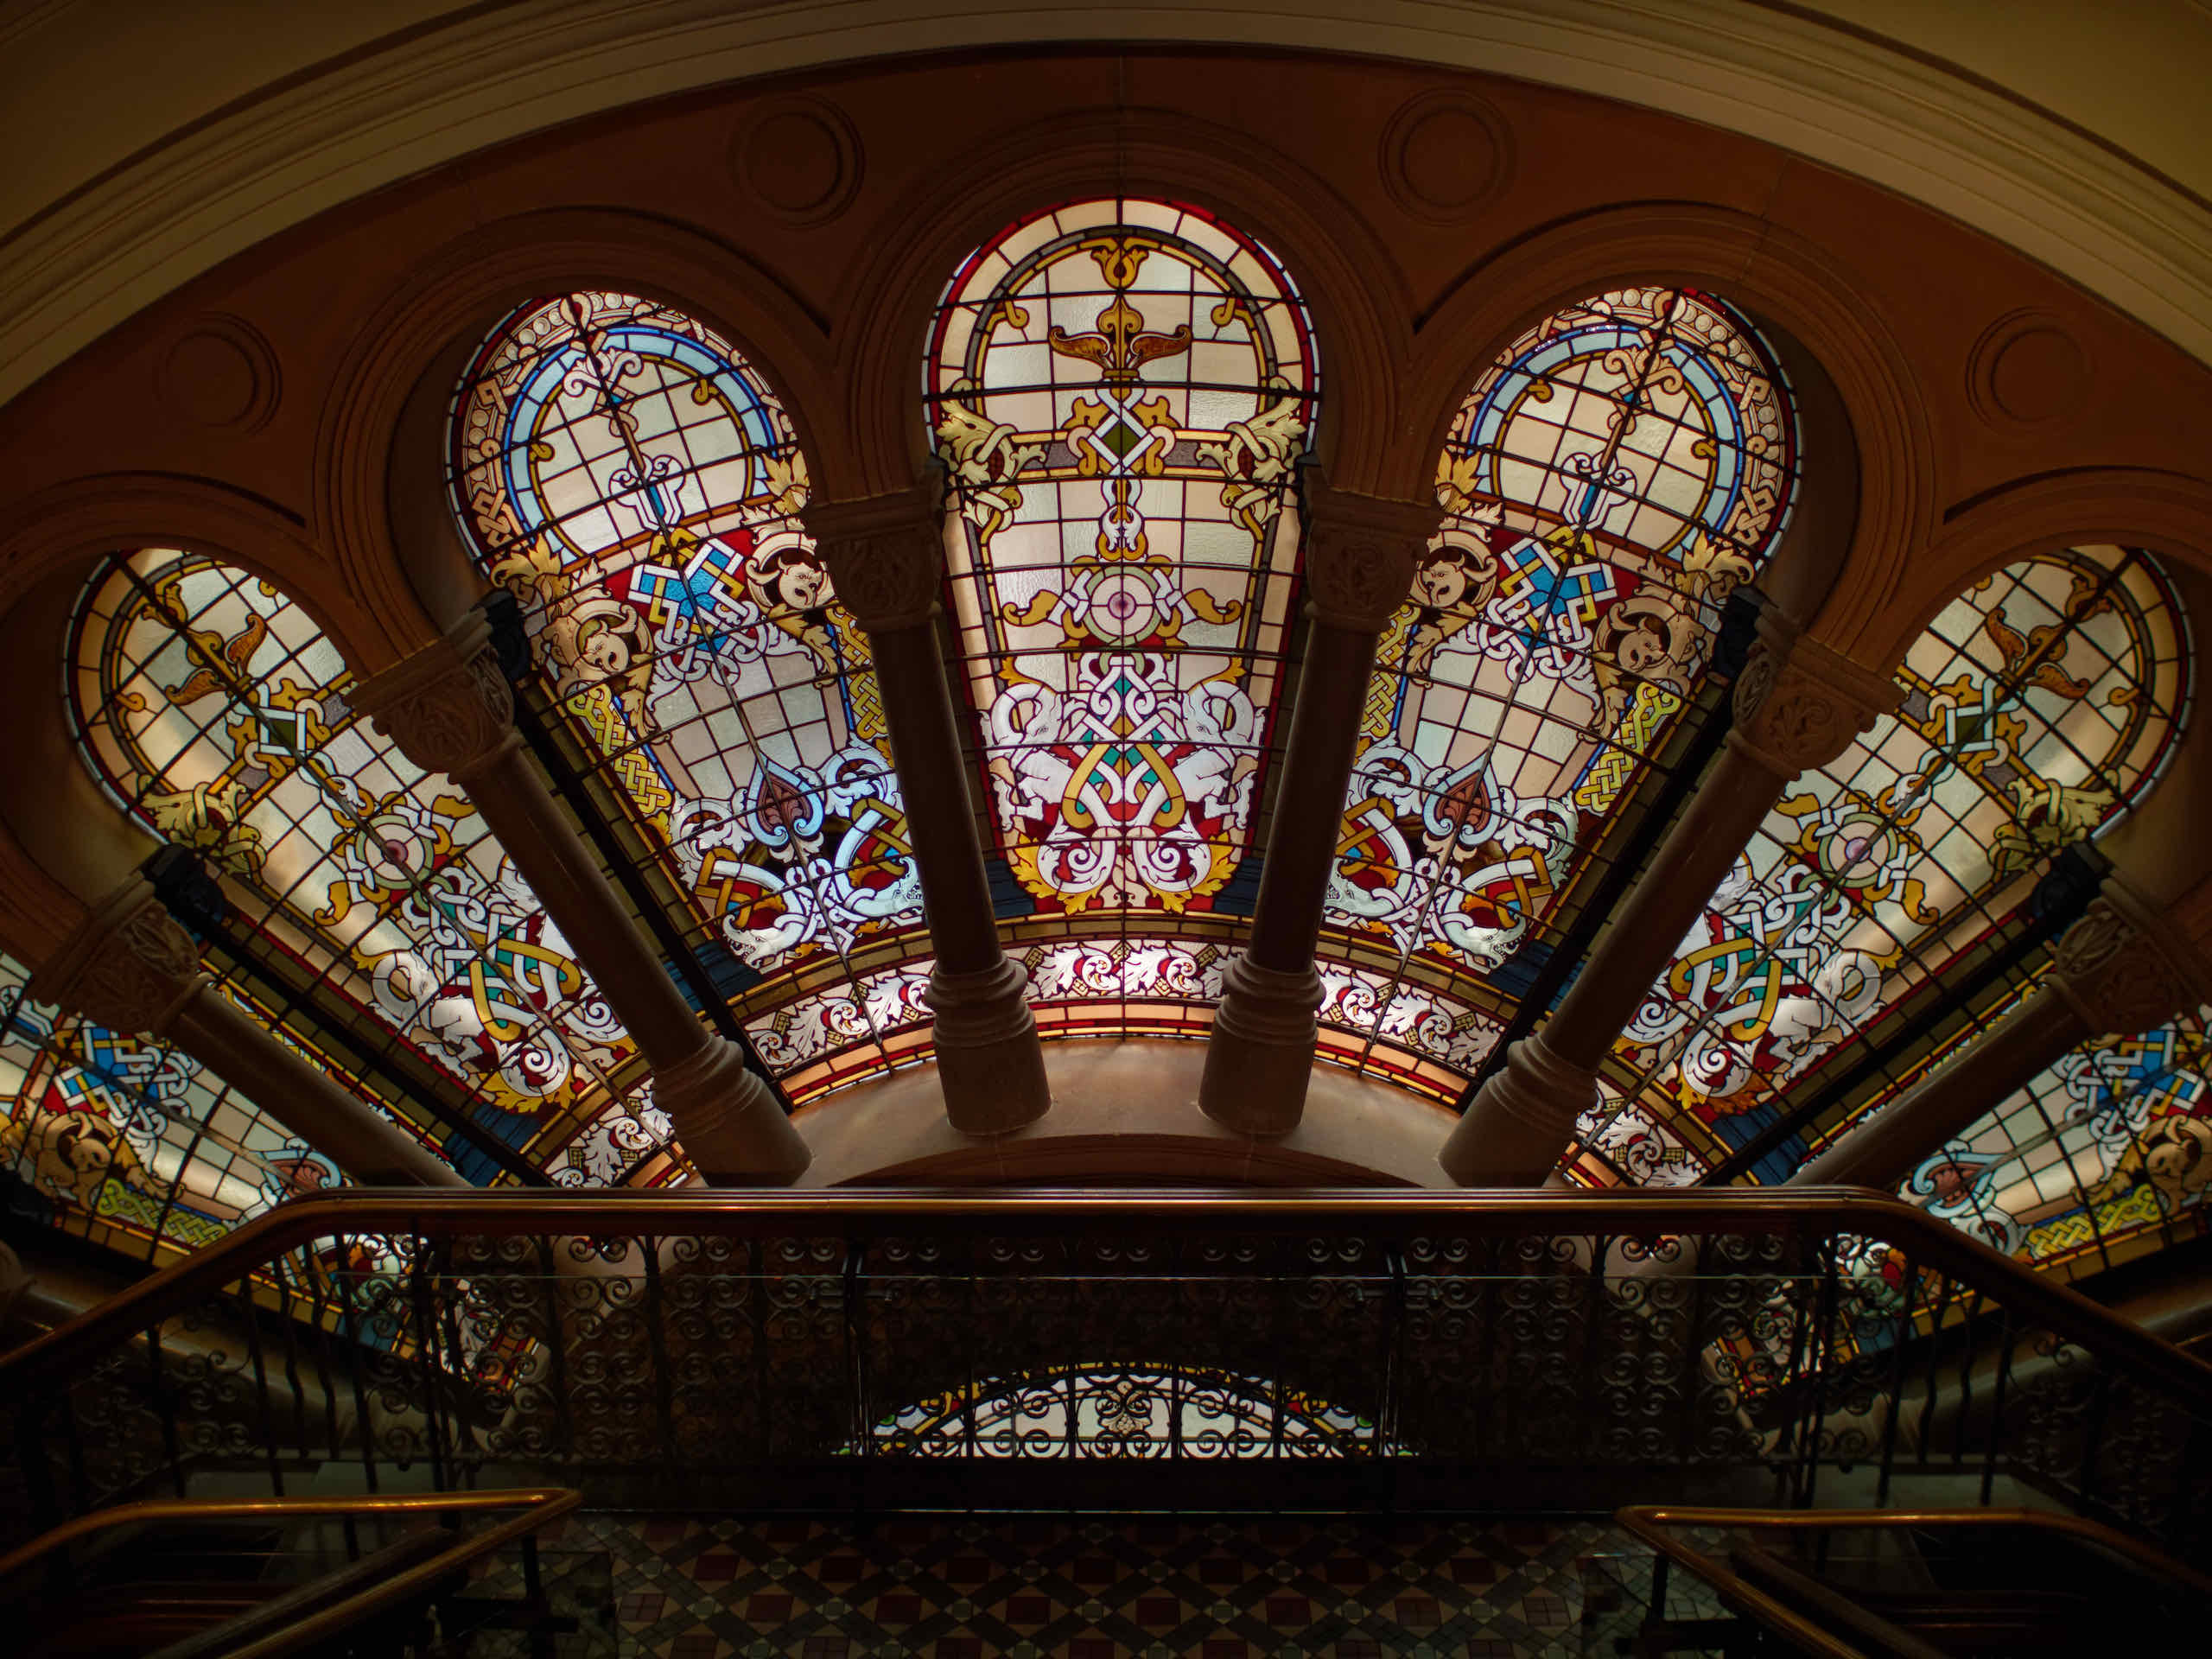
(1030, 1587)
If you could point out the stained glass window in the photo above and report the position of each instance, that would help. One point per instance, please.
(128, 1142)
(2104, 1155)
(1122, 391)
(2035, 709)
(1616, 473)
(1125, 1411)
(216, 711)
(623, 473)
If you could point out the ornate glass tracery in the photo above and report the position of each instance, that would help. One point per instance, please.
(2105, 1155)
(125, 1140)
(216, 711)
(1124, 1411)
(1122, 391)
(2037, 708)
(622, 471)
(1616, 473)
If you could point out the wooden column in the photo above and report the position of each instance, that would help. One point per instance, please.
(1360, 555)
(450, 710)
(1797, 705)
(130, 967)
(2120, 970)
(885, 556)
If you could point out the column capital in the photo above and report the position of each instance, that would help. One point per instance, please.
(1360, 553)
(2124, 968)
(127, 966)
(1799, 703)
(449, 707)
(885, 554)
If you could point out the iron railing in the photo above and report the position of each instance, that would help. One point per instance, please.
(1451, 1351)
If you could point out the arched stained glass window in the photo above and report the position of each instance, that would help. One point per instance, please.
(630, 479)
(2035, 709)
(217, 712)
(1122, 391)
(2105, 1155)
(128, 1142)
(1616, 473)
(1125, 1411)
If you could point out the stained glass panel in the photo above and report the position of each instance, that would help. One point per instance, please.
(128, 1141)
(1122, 391)
(2105, 1155)
(219, 715)
(622, 471)
(2037, 708)
(1621, 470)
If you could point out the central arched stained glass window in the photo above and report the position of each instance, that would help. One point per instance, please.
(1122, 391)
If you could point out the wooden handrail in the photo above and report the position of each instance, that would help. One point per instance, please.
(537, 1504)
(1650, 1522)
(1803, 1213)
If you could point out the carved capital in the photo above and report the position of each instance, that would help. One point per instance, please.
(1798, 704)
(449, 707)
(2124, 968)
(884, 555)
(1360, 555)
(127, 966)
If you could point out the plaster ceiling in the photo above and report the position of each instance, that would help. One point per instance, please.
(149, 142)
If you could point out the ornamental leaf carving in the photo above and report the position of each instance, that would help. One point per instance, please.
(459, 721)
(2122, 978)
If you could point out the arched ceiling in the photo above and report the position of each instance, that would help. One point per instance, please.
(2075, 133)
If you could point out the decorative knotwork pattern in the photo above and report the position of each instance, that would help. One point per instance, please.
(2120, 976)
(459, 721)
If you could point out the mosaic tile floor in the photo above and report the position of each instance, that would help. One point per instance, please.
(1034, 1587)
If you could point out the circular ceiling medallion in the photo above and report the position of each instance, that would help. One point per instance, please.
(1444, 155)
(222, 374)
(799, 158)
(2027, 371)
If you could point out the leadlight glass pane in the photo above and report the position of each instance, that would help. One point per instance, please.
(217, 712)
(2105, 1155)
(1122, 391)
(1612, 479)
(621, 470)
(128, 1142)
(2035, 710)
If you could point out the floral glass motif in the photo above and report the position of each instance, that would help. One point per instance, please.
(1616, 473)
(626, 475)
(1121, 391)
(218, 713)
(2035, 709)
(128, 1141)
(1134, 985)
(2103, 1155)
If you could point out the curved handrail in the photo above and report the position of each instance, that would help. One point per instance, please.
(1649, 1522)
(1803, 1213)
(538, 1505)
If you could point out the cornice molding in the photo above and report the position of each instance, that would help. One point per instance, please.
(370, 118)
